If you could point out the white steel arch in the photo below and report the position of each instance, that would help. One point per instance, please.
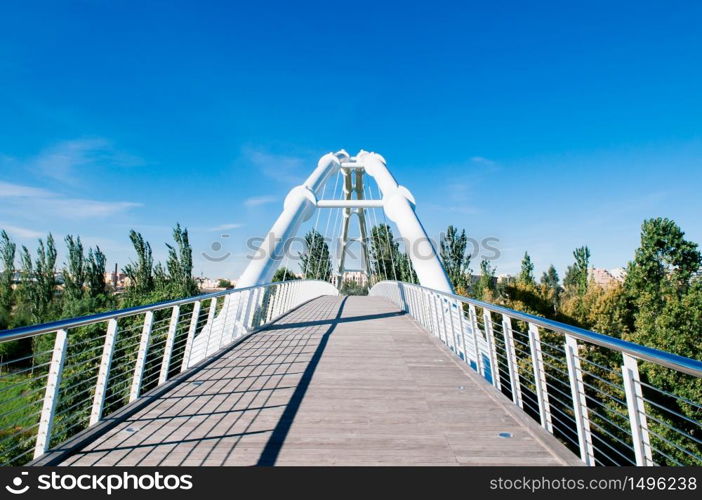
(397, 202)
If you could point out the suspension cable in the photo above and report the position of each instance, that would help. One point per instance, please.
(391, 243)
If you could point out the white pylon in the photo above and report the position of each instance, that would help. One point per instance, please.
(397, 202)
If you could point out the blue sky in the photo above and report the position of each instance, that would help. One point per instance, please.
(545, 125)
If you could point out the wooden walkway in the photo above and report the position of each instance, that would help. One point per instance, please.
(339, 381)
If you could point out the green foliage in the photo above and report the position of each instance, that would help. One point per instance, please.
(95, 273)
(180, 264)
(407, 272)
(74, 270)
(384, 254)
(350, 287)
(7, 261)
(315, 260)
(485, 288)
(526, 274)
(224, 284)
(455, 258)
(284, 274)
(576, 278)
(551, 286)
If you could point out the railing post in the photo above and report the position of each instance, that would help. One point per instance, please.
(512, 365)
(168, 349)
(449, 324)
(492, 349)
(580, 411)
(210, 321)
(438, 310)
(53, 382)
(540, 378)
(476, 333)
(457, 326)
(141, 355)
(637, 411)
(462, 326)
(103, 372)
(226, 308)
(429, 313)
(191, 335)
(247, 313)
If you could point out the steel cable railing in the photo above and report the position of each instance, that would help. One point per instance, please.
(84, 369)
(596, 393)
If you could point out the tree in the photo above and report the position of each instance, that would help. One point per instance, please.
(526, 274)
(577, 276)
(180, 264)
(315, 260)
(74, 270)
(141, 272)
(407, 272)
(456, 260)
(550, 278)
(485, 288)
(95, 273)
(284, 274)
(384, 254)
(552, 288)
(664, 295)
(7, 260)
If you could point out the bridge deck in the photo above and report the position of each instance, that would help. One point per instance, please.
(347, 381)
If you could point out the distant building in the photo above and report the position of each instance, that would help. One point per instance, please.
(505, 278)
(606, 278)
(212, 284)
(358, 277)
(117, 280)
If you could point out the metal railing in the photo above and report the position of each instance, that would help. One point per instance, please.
(608, 400)
(61, 378)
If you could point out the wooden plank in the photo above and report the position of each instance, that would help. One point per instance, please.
(345, 381)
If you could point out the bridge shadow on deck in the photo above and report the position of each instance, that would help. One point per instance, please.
(229, 405)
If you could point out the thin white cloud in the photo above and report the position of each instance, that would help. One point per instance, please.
(20, 232)
(67, 161)
(283, 168)
(260, 200)
(224, 227)
(8, 190)
(41, 203)
(482, 160)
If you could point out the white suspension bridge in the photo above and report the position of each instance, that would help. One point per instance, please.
(294, 373)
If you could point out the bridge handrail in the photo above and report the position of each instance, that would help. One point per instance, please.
(566, 383)
(52, 394)
(52, 326)
(667, 359)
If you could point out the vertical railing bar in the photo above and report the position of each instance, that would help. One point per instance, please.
(476, 334)
(580, 411)
(141, 355)
(103, 372)
(48, 410)
(462, 326)
(191, 335)
(210, 322)
(492, 349)
(540, 378)
(250, 308)
(512, 364)
(168, 349)
(637, 411)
